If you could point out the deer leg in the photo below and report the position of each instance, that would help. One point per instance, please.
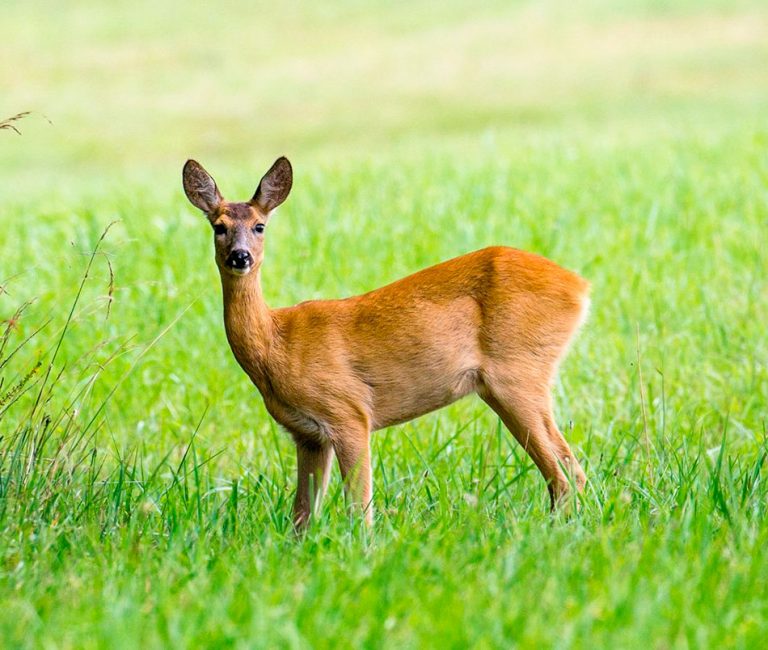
(314, 470)
(528, 418)
(353, 452)
(563, 451)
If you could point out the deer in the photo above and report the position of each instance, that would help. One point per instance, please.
(495, 322)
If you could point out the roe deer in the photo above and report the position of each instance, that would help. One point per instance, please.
(495, 322)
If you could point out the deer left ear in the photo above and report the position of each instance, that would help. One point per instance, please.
(274, 186)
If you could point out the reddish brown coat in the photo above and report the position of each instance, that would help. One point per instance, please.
(495, 322)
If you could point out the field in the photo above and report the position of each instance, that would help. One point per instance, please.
(144, 491)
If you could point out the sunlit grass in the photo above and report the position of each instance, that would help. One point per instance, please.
(144, 491)
(167, 519)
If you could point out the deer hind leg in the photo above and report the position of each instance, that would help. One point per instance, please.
(525, 408)
(562, 449)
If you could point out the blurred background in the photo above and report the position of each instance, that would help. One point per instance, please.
(133, 89)
(626, 140)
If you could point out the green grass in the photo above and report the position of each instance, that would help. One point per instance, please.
(144, 491)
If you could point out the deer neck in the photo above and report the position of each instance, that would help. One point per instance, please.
(248, 322)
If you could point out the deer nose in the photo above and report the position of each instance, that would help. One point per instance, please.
(239, 259)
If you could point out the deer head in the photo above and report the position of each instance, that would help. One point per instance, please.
(238, 228)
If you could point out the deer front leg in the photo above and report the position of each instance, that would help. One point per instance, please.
(353, 452)
(314, 470)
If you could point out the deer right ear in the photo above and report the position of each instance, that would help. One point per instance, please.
(200, 188)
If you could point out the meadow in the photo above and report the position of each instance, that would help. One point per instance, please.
(145, 492)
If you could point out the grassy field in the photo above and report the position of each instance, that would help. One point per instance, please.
(144, 491)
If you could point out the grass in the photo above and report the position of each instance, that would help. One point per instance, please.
(144, 491)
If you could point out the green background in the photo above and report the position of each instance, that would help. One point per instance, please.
(627, 141)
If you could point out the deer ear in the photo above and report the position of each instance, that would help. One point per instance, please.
(200, 188)
(275, 186)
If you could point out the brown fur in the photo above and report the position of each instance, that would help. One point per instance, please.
(495, 322)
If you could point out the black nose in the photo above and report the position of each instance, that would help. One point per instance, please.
(239, 259)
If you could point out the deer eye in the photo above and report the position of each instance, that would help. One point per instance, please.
(259, 227)
(220, 229)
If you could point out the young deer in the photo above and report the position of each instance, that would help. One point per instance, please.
(495, 322)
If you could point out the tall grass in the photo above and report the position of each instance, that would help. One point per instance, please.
(56, 473)
(183, 518)
(8, 124)
(144, 490)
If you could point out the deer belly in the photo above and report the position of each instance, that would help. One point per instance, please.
(409, 397)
